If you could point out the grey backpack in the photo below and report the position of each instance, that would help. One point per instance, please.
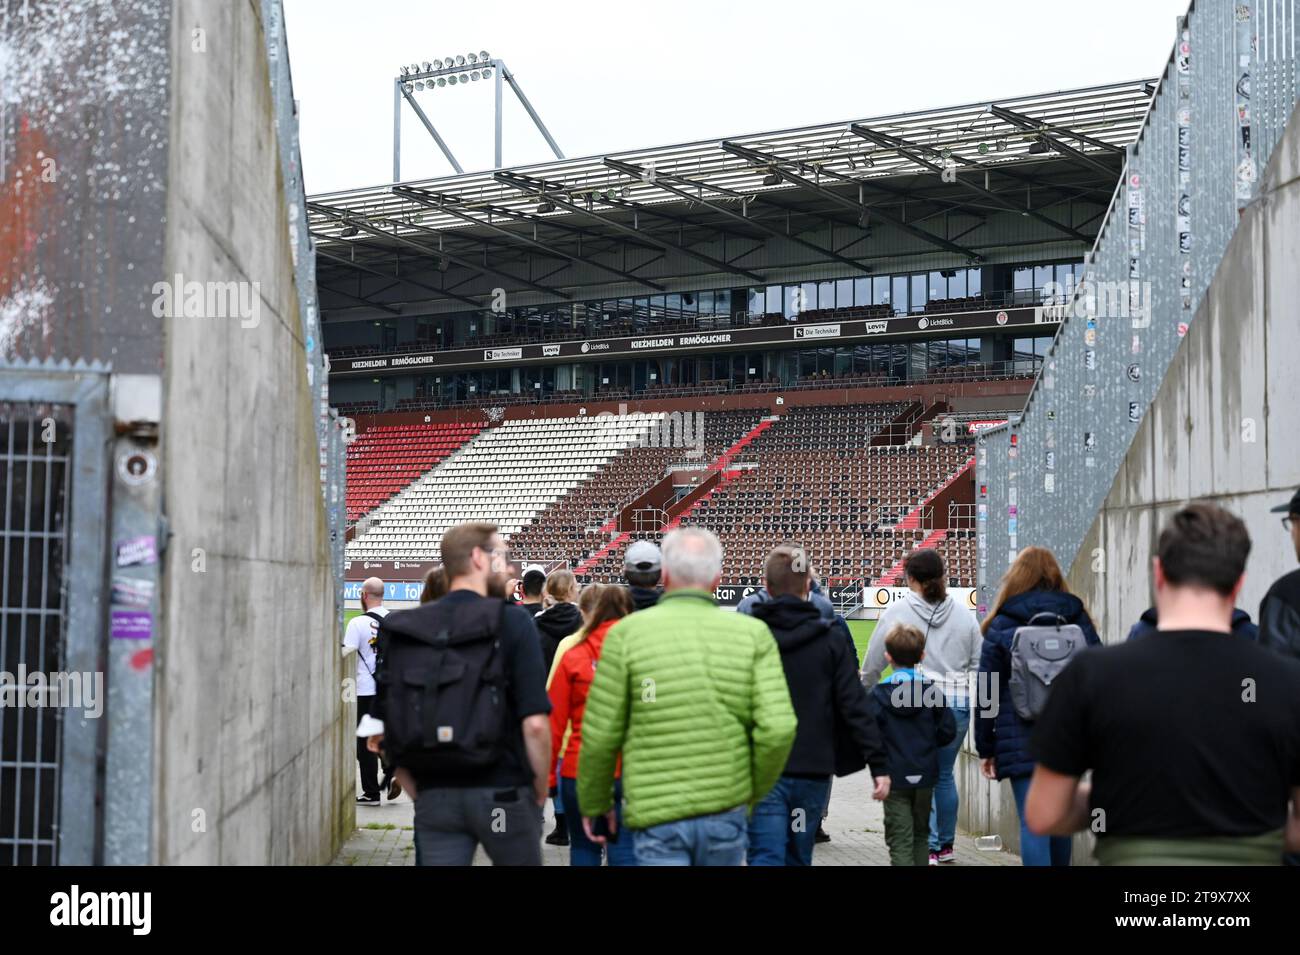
(1039, 652)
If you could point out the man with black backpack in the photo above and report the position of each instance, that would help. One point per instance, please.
(361, 635)
(462, 694)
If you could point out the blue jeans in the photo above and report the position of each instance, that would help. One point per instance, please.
(783, 829)
(1037, 850)
(558, 800)
(943, 811)
(584, 852)
(716, 839)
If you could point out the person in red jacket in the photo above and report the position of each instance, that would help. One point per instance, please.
(568, 691)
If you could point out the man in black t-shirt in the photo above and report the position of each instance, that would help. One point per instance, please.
(1192, 735)
(499, 807)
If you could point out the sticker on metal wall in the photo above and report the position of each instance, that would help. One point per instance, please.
(1134, 412)
(131, 625)
(135, 551)
(132, 591)
(1049, 483)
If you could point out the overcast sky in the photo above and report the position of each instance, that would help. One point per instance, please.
(607, 76)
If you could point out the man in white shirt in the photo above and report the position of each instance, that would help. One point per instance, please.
(361, 636)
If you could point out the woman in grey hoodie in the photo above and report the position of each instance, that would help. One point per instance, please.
(952, 657)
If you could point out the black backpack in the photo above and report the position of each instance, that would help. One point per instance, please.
(441, 687)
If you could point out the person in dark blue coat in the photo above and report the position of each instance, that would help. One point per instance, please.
(1032, 585)
(1242, 625)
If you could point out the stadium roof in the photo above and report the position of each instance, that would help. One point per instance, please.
(1020, 155)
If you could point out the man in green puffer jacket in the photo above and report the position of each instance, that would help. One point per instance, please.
(695, 699)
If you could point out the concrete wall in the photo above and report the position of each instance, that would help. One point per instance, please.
(250, 725)
(1222, 427)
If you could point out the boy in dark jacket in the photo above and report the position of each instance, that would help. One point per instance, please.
(916, 722)
(836, 734)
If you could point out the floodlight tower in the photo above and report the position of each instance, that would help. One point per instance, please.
(455, 71)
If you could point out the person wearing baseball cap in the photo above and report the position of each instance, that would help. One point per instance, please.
(642, 565)
(1279, 611)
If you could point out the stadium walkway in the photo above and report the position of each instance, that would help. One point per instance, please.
(856, 826)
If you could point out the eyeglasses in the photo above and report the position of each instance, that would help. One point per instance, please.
(1286, 523)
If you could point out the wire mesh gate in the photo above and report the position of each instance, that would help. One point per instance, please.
(54, 433)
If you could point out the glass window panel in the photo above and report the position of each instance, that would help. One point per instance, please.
(974, 282)
(1023, 279)
(880, 290)
(957, 285)
(774, 300)
(862, 291)
(938, 287)
(844, 293)
(825, 295)
(787, 306)
(809, 296)
(898, 294)
(1042, 275)
(918, 300)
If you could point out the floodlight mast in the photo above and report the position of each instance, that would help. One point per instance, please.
(449, 71)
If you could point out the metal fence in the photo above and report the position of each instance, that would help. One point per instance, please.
(332, 433)
(54, 434)
(1221, 105)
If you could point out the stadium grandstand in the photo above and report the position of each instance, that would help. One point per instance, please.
(794, 334)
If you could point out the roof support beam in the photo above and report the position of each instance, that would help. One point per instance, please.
(906, 149)
(662, 181)
(448, 204)
(529, 184)
(441, 293)
(775, 163)
(357, 298)
(1033, 125)
(365, 225)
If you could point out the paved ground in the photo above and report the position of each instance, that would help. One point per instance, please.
(855, 824)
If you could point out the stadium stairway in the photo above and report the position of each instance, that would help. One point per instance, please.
(891, 577)
(726, 457)
(913, 518)
(585, 567)
(724, 478)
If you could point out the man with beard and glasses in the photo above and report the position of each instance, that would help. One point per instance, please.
(480, 772)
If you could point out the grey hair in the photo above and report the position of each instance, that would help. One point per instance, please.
(692, 557)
